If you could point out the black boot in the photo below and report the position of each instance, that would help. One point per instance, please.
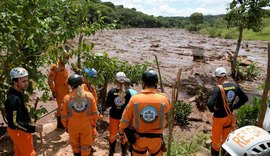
(59, 123)
(214, 152)
(124, 148)
(112, 148)
(223, 152)
(77, 154)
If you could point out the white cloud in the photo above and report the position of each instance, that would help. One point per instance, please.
(175, 7)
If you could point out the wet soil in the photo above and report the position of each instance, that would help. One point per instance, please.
(174, 49)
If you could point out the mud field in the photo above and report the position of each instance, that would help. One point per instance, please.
(174, 49)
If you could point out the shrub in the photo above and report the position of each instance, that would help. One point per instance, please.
(202, 97)
(248, 114)
(182, 111)
(188, 146)
(249, 72)
(191, 27)
(228, 35)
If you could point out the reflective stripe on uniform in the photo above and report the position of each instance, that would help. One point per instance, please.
(88, 106)
(85, 148)
(70, 108)
(136, 113)
(64, 116)
(15, 121)
(59, 68)
(124, 121)
(162, 107)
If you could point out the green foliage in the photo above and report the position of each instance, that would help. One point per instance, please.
(249, 72)
(247, 15)
(188, 146)
(248, 114)
(36, 114)
(202, 97)
(196, 18)
(33, 33)
(182, 111)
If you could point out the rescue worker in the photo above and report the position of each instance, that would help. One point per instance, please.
(222, 104)
(117, 99)
(127, 86)
(146, 112)
(57, 80)
(79, 115)
(90, 88)
(19, 127)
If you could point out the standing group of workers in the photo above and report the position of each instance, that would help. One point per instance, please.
(138, 118)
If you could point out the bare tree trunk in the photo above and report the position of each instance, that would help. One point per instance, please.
(175, 91)
(265, 92)
(160, 79)
(234, 60)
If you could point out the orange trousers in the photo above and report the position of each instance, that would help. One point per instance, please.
(80, 139)
(114, 128)
(152, 145)
(220, 131)
(23, 142)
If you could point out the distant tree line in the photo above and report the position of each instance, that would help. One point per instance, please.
(126, 18)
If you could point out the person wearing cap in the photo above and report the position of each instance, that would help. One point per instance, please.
(58, 83)
(222, 104)
(19, 122)
(145, 114)
(88, 87)
(117, 99)
(78, 115)
(127, 84)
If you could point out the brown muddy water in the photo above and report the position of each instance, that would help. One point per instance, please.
(174, 48)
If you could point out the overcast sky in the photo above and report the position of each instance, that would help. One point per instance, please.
(175, 7)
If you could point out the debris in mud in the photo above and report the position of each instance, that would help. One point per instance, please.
(198, 53)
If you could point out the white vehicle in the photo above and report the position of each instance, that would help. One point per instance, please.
(248, 141)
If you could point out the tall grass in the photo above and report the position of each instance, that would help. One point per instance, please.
(188, 146)
(232, 33)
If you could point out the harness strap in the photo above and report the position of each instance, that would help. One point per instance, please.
(227, 108)
(150, 135)
(136, 151)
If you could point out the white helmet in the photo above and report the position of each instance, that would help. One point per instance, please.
(220, 72)
(120, 77)
(248, 141)
(18, 72)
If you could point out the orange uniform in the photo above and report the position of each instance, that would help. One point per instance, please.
(146, 113)
(19, 127)
(79, 114)
(89, 88)
(57, 80)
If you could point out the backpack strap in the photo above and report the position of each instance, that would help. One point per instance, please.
(227, 107)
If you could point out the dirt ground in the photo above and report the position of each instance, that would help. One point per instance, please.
(174, 49)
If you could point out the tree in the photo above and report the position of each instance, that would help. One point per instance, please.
(265, 92)
(34, 32)
(196, 18)
(247, 14)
